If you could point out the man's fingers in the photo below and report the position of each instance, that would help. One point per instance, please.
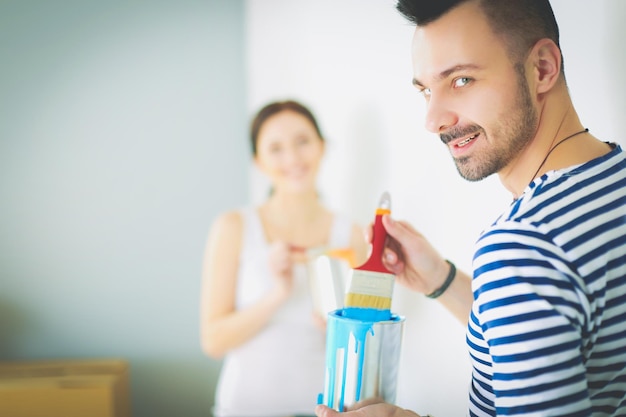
(397, 229)
(323, 411)
(396, 232)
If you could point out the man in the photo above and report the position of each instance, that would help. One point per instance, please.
(547, 298)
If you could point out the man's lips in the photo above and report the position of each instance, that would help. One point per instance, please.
(464, 142)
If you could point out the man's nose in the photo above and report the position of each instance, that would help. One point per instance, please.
(439, 116)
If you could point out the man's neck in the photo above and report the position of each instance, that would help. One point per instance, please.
(557, 120)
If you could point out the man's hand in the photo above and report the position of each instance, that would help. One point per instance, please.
(375, 410)
(410, 257)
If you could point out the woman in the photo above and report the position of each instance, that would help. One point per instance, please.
(256, 307)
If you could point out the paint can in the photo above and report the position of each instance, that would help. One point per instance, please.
(362, 360)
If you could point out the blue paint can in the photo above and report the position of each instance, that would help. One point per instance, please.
(362, 360)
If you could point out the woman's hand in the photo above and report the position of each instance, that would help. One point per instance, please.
(281, 267)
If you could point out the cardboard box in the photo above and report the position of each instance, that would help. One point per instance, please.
(65, 388)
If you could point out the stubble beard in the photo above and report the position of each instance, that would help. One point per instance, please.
(510, 136)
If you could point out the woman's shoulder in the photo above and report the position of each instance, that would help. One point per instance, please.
(229, 221)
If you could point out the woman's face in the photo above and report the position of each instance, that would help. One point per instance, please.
(289, 152)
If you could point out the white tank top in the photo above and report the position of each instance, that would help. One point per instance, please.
(281, 370)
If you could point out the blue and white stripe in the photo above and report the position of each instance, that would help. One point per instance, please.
(546, 333)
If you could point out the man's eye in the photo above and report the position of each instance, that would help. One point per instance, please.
(461, 81)
(425, 92)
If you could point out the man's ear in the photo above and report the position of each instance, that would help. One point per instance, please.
(545, 58)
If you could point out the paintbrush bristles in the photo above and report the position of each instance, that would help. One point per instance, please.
(366, 288)
(368, 301)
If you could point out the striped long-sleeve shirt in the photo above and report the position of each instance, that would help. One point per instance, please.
(547, 331)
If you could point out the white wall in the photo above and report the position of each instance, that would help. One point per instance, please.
(350, 61)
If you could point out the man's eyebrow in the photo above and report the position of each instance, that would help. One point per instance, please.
(417, 83)
(446, 73)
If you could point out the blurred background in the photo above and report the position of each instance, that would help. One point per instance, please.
(123, 133)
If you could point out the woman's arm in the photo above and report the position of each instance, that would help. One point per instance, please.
(223, 327)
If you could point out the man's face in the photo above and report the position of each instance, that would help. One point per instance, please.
(478, 100)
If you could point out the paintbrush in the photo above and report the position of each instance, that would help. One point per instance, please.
(345, 254)
(370, 286)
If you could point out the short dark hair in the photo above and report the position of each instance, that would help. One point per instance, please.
(521, 23)
(276, 107)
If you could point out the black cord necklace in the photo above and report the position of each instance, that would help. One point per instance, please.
(554, 147)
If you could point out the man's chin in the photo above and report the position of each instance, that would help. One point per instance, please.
(469, 174)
